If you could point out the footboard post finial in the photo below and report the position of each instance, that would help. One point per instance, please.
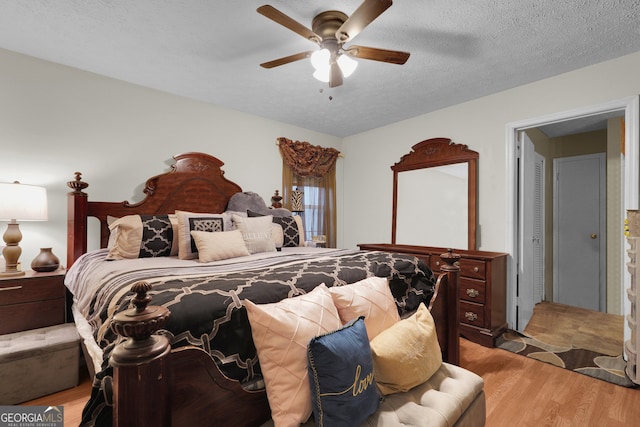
(141, 393)
(452, 268)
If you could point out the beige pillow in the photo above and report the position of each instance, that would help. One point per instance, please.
(190, 221)
(277, 234)
(281, 332)
(370, 298)
(221, 245)
(300, 224)
(406, 354)
(256, 232)
(135, 236)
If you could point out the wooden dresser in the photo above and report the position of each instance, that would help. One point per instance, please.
(483, 287)
(31, 301)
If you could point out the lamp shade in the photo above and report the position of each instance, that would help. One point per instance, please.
(22, 202)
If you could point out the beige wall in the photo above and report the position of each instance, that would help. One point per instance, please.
(56, 120)
(482, 125)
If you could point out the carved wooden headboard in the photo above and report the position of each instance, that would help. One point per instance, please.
(195, 183)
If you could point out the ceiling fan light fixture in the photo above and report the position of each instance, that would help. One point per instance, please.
(330, 30)
(322, 75)
(347, 64)
(320, 59)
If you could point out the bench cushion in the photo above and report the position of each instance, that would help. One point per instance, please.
(453, 396)
(440, 401)
(38, 362)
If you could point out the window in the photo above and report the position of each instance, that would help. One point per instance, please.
(317, 179)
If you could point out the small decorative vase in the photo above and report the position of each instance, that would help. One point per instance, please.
(45, 261)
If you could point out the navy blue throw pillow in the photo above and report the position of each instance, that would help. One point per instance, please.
(343, 389)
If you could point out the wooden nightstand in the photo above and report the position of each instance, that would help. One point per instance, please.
(32, 301)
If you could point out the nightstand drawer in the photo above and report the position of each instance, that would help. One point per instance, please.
(31, 301)
(31, 315)
(33, 289)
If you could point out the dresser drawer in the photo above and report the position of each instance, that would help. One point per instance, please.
(472, 290)
(472, 268)
(35, 289)
(472, 314)
(436, 262)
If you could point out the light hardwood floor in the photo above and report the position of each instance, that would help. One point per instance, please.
(520, 392)
(526, 392)
(560, 324)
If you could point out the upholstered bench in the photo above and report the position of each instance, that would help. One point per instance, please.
(38, 362)
(453, 396)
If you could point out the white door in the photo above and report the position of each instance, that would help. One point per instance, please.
(579, 226)
(531, 259)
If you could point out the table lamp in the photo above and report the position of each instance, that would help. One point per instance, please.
(19, 202)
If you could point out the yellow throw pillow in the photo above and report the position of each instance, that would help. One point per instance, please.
(406, 354)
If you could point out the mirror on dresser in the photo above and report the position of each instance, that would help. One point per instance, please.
(434, 209)
(435, 195)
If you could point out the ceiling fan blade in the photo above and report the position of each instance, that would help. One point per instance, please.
(375, 54)
(287, 59)
(284, 20)
(363, 16)
(335, 75)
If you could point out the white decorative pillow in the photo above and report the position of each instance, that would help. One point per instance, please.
(256, 233)
(289, 224)
(190, 221)
(220, 245)
(281, 332)
(370, 298)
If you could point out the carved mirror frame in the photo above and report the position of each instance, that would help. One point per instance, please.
(439, 152)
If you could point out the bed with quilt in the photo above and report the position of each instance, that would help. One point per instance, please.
(197, 252)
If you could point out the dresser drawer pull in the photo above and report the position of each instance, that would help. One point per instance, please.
(470, 316)
(473, 292)
(11, 288)
(476, 269)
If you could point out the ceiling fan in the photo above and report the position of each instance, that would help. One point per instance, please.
(331, 30)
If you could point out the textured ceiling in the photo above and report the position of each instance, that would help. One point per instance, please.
(210, 51)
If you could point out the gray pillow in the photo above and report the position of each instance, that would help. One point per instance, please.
(250, 201)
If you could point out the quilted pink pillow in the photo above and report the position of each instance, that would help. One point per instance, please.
(370, 298)
(281, 332)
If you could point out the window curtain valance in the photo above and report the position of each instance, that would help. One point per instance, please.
(305, 159)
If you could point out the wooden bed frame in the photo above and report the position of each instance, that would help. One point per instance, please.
(155, 386)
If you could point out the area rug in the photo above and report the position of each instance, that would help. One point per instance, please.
(587, 362)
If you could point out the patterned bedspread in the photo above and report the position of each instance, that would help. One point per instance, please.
(207, 308)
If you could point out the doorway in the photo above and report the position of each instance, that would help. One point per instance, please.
(579, 231)
(627, 179)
